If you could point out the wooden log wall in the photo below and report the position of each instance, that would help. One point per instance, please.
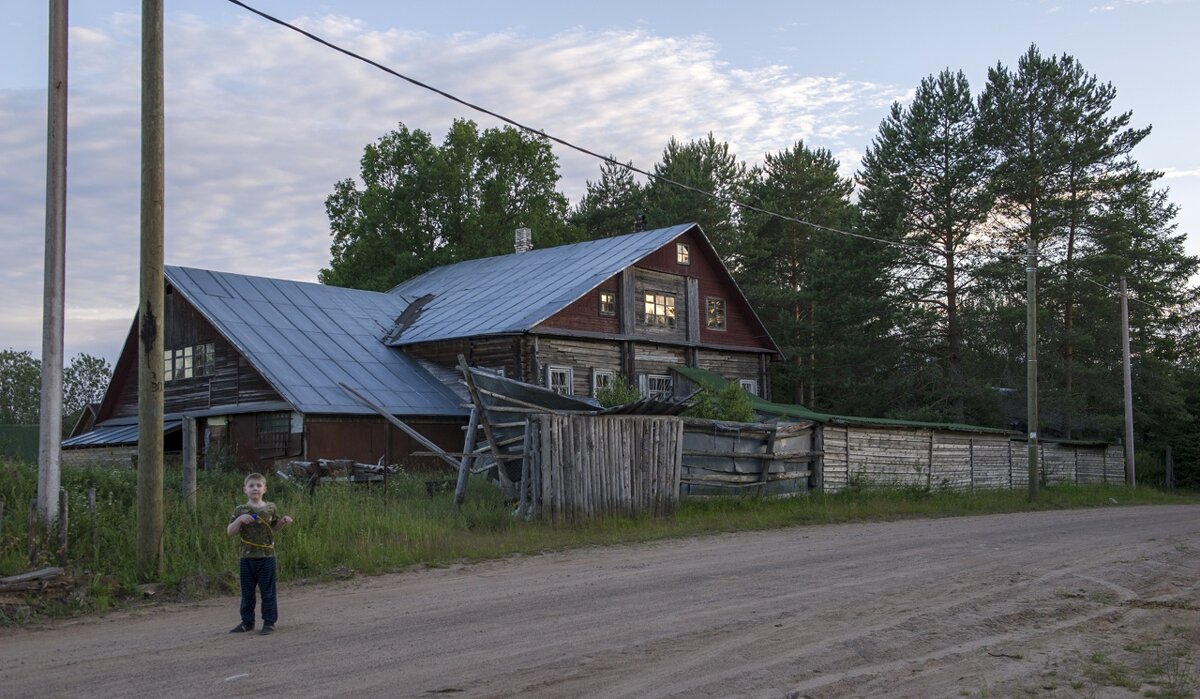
(590, 466)
(890, 457)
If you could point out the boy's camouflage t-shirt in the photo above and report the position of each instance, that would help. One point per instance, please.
(258, 537)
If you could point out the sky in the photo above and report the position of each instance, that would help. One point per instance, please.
(261, 123)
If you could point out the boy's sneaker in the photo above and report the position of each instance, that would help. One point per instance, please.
(267, 630)
(242, 628)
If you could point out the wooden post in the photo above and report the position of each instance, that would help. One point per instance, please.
(33, 525)
(63, 531)
(1170, 477)
(505, 483)
(1130, 464)
(91, 506)
(189, 460)
(150, 305)
(1, 515)
(464, 464)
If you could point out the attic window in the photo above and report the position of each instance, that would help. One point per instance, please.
(188, 362)
(682, 254)
(659, 309)
(608, 303)
(714, 316)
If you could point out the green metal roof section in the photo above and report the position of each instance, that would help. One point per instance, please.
(709, 380)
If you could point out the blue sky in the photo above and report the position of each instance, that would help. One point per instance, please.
(261, 123)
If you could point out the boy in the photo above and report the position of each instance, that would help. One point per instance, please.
(257, 523)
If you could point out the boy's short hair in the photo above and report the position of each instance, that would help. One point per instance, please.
(254, 476)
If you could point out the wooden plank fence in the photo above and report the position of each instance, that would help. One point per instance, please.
(875, 456)
(580, 467)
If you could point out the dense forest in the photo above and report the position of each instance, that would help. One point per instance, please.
(898, 292)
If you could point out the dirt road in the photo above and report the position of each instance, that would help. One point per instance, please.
(1032, 604)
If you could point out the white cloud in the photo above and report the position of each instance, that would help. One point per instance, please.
(262, 122)
(1173, 173)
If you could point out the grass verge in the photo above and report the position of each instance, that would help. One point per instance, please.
(344, 529)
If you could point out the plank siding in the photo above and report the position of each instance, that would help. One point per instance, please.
(491, 352)
(646, 281)
(732, 365)
(582, 356)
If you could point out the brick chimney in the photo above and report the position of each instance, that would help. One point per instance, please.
(523, 241)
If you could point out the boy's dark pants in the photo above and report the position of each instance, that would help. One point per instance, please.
(258, 572)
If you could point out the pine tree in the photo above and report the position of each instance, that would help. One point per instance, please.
(611, 205)
(706, 165)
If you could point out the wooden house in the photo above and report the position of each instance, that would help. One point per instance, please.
(259, 362)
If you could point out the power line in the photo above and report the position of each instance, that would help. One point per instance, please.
(542, 134)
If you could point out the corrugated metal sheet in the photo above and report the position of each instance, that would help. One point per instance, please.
(513, 293)
(304, 338)
(115, 435)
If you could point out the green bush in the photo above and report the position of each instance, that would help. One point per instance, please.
(617, 392)
(731, 403)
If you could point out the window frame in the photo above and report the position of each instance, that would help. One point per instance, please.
(645, 381)
(650, 300)
(612, 302)
(189, 362)
(609, 374)
(683, 254)
(569, 372)
(716, 301)
(272, 433)
(749, 385)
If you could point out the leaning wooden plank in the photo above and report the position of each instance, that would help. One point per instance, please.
(422, 439)
(464, 464)
(517, 402)
(501, 474)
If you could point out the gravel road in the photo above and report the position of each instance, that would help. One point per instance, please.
(997, 605)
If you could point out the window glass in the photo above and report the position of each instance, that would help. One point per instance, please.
(608, 303)
(682, 254)
(659, 309)
(602, 378)
(558, 379)
(658, 386)
(751, 386)
(714, 313)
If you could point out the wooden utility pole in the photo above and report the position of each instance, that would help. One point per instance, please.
(150, 306)
(1130, 470)
(1031, 406)
(50, 405)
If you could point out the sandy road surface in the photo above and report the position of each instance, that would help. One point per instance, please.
(998, 605)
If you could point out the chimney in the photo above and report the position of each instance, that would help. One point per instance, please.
(639, 223)
(523, 241)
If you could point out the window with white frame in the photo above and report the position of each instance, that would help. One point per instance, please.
(608, 303)
(657, 386)
(683, 255)
(751, 386)
(658, 309)
(559, 379)
(602, 378)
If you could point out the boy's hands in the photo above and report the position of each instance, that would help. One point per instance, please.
(247, 518)
(285, 520)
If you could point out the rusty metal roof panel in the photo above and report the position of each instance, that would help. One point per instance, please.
(513, 293)
(304, 338)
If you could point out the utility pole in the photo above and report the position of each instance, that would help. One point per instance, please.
(1130, 470)
(50, 406)
(150, 306)
(1031, 406)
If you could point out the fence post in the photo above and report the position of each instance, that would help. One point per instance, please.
(33, 522)
(189, 460)
(1170, 481)
(63, 530)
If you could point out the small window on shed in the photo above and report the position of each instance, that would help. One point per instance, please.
(608, 303)
(751, 386)
(657, 386)
(683, 255)
(714, 316)
(271, 433)
(559, 379)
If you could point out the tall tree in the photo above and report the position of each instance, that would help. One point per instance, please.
(611, 205)
(84, 382)
(706, 165)
(822, 295)
(924, 181)
(1061, 155)
(421, 205)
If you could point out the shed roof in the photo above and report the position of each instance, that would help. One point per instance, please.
(115, 435)
(305, 338)
(514, 293)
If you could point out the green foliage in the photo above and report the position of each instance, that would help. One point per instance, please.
(20, 387)
(731, 404)
(618, 392)
(611, 205)
(421, 205)
(707, 165)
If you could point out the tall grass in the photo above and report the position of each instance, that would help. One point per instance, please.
(342, 529)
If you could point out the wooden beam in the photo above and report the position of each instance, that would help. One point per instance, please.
(505, 482)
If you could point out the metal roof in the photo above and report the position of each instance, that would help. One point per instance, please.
(513, 293)
(115, 435)
(305, 338)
